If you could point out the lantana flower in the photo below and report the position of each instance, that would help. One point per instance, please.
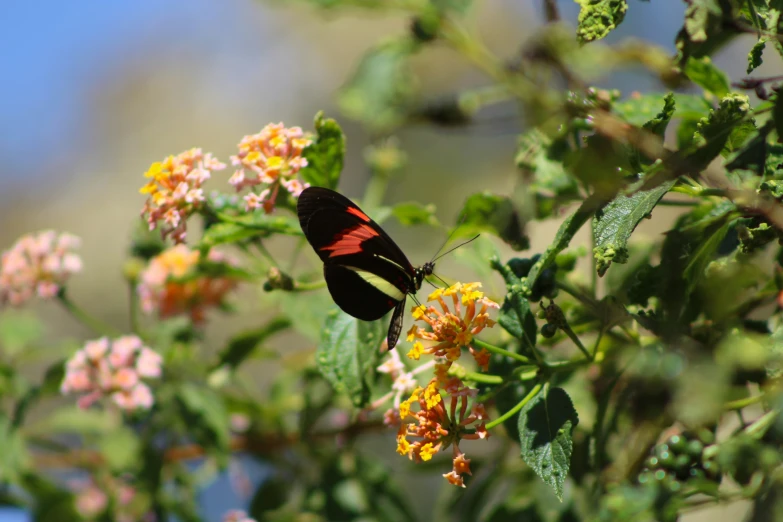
(445, 411)
(273, 157)
(175, 191)
(441, 422)
(37, 265)
(172, 284)
(110, 497)
(452, 330)
(113, 368)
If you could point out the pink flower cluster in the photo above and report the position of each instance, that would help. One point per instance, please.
(171, 284)
(236, 515)
(113, 369)
(175, 190)
(110, 497)
(272, 157)
(37, 264)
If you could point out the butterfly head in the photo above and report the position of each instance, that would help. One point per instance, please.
(423, 271)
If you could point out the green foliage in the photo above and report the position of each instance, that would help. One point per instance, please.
(546, 425)
(615, 222)
(380, 92)
(640, 396)
(485, 212)
(325, 156)
(347, 354)
(598, 17)
(706, 75)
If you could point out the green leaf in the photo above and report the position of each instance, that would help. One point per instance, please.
(242, 345)
(248, 226)
(348, 353)
(714, 134)
(777, 115)
(380, 92)
(17, 330)
(638, 110)
(541, 158)
(485, 212)
(206, 416)
(51, 502)
(686, 251)
(415, 214)
(565, 233)
(545, 426)
(120, 449)
(517, 319)
(325, 156)
(614, 224)
(657, 126)
(14, 457)
(766, 20)
(753, 154)
(77, 421)
(598, 17)
(706, 75)
(754, 56)
(705, 29)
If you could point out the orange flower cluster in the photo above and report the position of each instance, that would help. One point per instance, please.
(445, 415)
(175, 190)
(171, 284)
(436, 425)
(272, 157)
(451, 331)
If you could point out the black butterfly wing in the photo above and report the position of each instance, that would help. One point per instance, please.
(395, 326)
(366, 272)
(336, 227)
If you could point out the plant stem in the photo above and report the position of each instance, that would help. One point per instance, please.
(483, 378)
(571, 335)
(133, 303)
(86, 319)
(742, 403)
(513, 411)
(500, 351)
(306, 287)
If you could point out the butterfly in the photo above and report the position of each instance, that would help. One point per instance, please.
(366, 272)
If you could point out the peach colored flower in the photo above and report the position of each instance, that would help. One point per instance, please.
(273, 157)
(451, 330)
(175, 191)
(172, 283)
(37, 264)
(109, 369)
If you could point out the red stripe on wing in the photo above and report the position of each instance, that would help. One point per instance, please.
(358, 213)
(351, 241)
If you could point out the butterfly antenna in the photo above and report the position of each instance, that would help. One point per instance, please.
(441, 280)
(456, 247)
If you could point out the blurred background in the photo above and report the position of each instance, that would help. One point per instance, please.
(93, 92)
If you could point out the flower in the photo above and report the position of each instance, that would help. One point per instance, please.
(441, 421)
(237, 515)
(453, 330)
(173, 284)
(175, 190)
(104, 368)
(272, 157)
(445, 411)
(37, 264)
(108, 497)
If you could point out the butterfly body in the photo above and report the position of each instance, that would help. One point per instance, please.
(366, 272)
